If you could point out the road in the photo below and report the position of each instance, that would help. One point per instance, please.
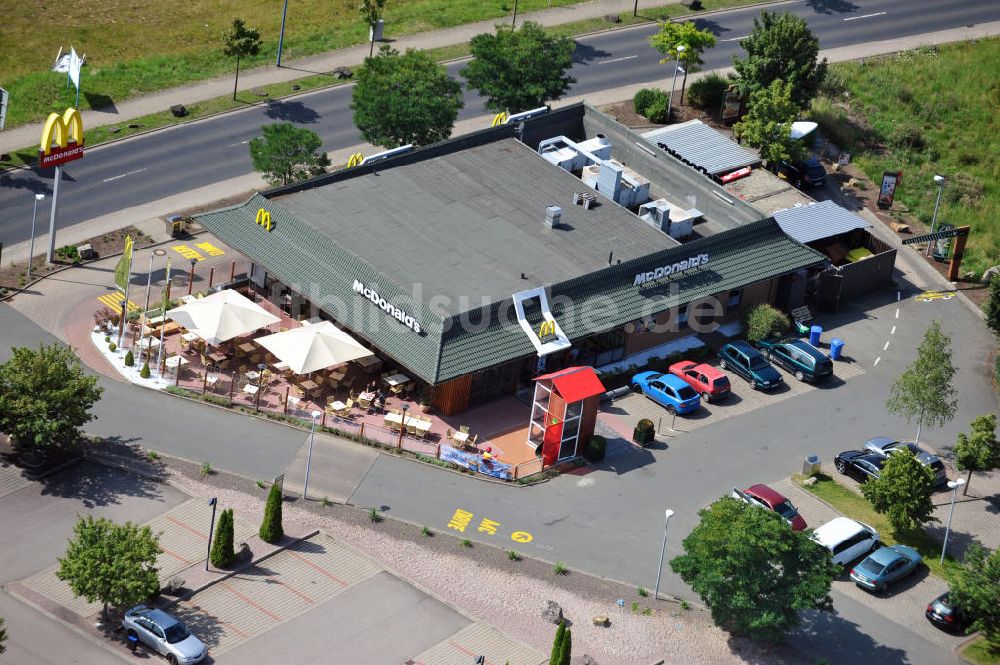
(175, 160)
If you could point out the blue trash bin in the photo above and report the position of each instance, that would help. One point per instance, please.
(133, 642)
(814, 334)
(836, 348)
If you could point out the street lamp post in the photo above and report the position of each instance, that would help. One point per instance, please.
(281, 35)
(667, 514)
(211, 527)
(309, 455)
(952, 485)
(31, 245)
(402, 427)
(670, 98)
(939, 179)
(194, 262)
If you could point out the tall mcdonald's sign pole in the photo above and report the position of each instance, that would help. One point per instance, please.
(59, 129)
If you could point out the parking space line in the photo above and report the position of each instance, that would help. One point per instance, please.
(180, 558)
(886, 347)
(293, 590)
(317, 568)
(876, 361)
(250, 601)
(171, 518)
(897, 312)
(893, 331)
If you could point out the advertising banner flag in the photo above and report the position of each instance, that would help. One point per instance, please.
(75, 64)
(61, 63)
(166, 290)
(124, 267)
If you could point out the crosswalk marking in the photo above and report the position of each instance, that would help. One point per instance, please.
(114, 301)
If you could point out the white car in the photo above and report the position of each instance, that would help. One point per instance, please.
(846, 539)
(164, 634)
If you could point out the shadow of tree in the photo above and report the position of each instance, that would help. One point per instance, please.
(206, 627)
(100, 102)
(830, 636)
(832, 6)
(96, 485)
(584, 53)
(294, 111)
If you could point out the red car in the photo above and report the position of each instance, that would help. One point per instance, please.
(769, 499)
(707, 380)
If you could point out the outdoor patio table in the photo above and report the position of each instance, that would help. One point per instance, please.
(420, 424)
(253, 375)
(250, 389)
(190, 337)
(149, 343)
(281, 367)
(246, 347)
(397, 379)
(293, 400)
(175, 361)
(337, 406)
(217, 356)
(460, 437)
(337, 374)
(368, 361)
(308, 385)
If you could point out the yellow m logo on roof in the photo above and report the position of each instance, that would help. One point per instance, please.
(264, 219)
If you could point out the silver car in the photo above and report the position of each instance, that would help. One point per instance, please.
(885, 446)
(164, 634)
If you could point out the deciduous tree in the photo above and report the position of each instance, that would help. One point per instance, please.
(286, 153)
(754, 573)
(114, 564)
(976, 589)
(371, 13)
(270, 528)
(240, 41)
(980, 449)
(765, 321)
(781, 46)
(401, 99)
(519, 69)
(687, 34)
(768, 123)
(992, 306)
(902, 492)
(45, 396)
(923, 392)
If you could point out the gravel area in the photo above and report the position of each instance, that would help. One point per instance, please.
(484, 584)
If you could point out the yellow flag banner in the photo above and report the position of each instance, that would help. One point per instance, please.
(124, 268)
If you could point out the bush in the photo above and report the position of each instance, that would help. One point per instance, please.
(659, 111)
(906, 136)
(595, 448)
(223, 554)
(765, 321)
(270, 527)
(112, 347)
(129, 359)
(644, 432)
(708, 92)
(144, 372)
(644, 98)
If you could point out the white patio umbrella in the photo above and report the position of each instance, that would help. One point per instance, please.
(314, 347)
(222, 316)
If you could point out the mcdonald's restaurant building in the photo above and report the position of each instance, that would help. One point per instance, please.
(477, 264)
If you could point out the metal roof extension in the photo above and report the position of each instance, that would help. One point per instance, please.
(818, 220)
(702, 147)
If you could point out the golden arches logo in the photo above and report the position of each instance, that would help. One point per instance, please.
(499, 119)
(548, 329)
(355, 160)
(264, 219)
(63, 126)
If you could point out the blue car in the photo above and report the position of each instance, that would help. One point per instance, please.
(885, 566)
(667, 390)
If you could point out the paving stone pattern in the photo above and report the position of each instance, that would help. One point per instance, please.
(475, 640)
(11, 479)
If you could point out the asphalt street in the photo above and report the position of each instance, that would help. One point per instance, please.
(175, 160)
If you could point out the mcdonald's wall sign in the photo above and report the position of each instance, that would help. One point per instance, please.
(66, 131)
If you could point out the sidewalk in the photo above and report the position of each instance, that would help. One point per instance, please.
(26, 135)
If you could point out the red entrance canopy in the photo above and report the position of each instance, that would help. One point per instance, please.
(575, 383)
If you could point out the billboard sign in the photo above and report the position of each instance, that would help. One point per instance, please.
(732, 105)
(886, 193)
(60, 129)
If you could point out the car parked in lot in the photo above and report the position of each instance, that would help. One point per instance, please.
(164, 634)
(748, 362)
(763, 496)
(884, 446)
(708, 381)
(667, 390)
(799, 357)
(809, 171)
(946, 616)
(885, 566)
(859, 464)
(846, 539)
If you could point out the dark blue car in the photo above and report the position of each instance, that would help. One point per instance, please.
(667, 390)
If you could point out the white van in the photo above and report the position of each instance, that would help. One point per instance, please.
(846, 539)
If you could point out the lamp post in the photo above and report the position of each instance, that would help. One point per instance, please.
(191, 276)
(667, 514)
(939, 179)
(281, 35)
(309, 456)
(402, 426)
(952, 485)
(31, 245)
(211, 527)
(670, 98)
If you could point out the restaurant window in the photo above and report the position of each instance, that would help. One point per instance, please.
(493, 383)
(735, 298)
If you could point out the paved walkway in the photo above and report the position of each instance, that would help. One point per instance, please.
(26, 135)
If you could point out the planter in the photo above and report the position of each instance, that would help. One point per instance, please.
(643, 436)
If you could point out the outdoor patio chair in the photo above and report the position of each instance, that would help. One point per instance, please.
(411, 428)
(449, 436)
(364, 403)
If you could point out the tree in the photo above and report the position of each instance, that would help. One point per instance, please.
(781, 47)
(240, 42)
(401, 99)
(687, 34)
(992, 306)
(223, 554)
(3, 636)
(754, 573)
(45, 396)
(924, 392)
(114, 564)
(980, 450)
(902, 491)
(566, 648)
(371, 12)
(765, 321)
(557, 643)
(767, 125)
(270, 527)
(287, 153)
(519, 69)
(976, 588)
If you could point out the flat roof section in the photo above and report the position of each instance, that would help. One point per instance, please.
(817, 221)
(466, 225)
(703, 147)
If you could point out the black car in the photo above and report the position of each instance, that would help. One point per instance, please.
(945, 616)
(807, 172)
(860, 464)
(799, 357)
(741, 358)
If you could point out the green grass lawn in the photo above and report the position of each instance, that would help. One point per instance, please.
(929, 111)
(856, 507)
(982, 652)
(142, 47)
